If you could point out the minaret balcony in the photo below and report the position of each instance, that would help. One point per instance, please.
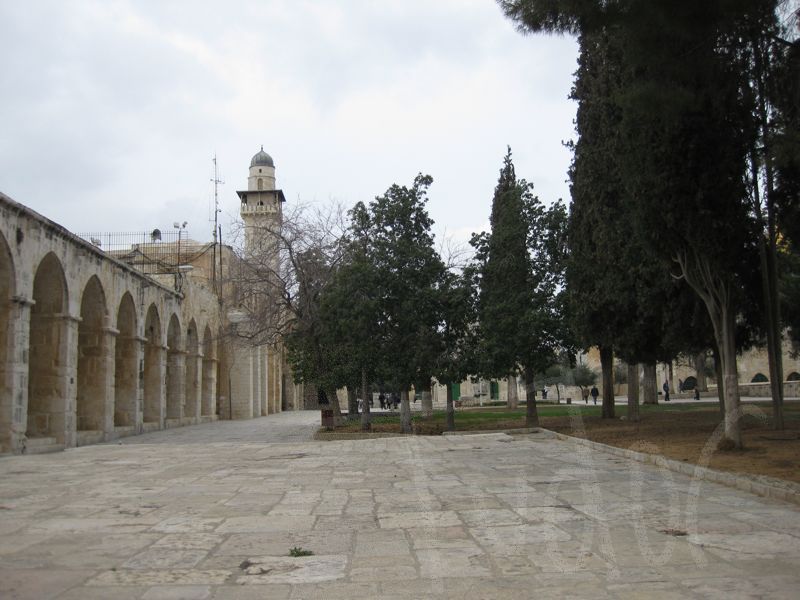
(256, 210)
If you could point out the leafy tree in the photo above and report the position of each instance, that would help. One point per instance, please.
(505, 281)
(349, 312)
(685, 136)
(409, 274)
(519, 267)
(457, 359)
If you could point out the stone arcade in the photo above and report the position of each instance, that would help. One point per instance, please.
(92, 349)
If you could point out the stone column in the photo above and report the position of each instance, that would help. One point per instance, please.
(14, 413)
(263, 398)
(68, 374)
(154, 374)
(255, 358)
(194, 389)
(175, 380)
(241, 383)
(109, 345)
(208, 401)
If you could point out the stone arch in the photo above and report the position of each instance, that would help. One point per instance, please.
(7, 279)
(153, 368)
(759, 378)
(126, 367)
(207, 397)
(175, 369)
(690, 383)
(94, 359)
(192, 387)
(793, 376)
(48, 376)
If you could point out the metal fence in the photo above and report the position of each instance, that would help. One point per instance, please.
(157, 251)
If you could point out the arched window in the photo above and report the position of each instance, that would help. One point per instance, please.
(793, 376)
(759, 378)
(260, 184)
(689, 384)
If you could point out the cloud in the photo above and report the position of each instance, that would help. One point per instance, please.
(112, 110)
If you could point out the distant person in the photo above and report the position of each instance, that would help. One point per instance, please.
(544, 393)
(680, 386)
(382, 400)
(665, 387)
(595, 393)
(696, 393)
(585, 394)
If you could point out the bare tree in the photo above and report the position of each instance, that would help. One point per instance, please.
(282, 265)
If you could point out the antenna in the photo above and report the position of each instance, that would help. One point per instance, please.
(217, 181)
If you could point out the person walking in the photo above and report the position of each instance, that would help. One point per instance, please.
(595, 393)
(665, 387)
(696, 393)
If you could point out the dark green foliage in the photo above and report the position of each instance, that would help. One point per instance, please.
(506, 277)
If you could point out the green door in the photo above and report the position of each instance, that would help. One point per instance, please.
(456, 387)
(494, 390)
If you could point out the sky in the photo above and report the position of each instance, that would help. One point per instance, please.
(111, 111)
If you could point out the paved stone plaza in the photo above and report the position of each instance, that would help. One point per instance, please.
(212, 511)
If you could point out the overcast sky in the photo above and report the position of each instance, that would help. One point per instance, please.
(111, 111)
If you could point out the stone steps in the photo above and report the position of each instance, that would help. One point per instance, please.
(42, 445)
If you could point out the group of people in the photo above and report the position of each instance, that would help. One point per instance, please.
(594, 392)
(390, 401)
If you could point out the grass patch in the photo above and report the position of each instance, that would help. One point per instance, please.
(298, 551)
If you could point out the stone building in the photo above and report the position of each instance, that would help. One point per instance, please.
(98, 345)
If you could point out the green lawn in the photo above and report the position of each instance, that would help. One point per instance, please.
(494, 417)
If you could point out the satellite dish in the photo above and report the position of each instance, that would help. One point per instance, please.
(156, 235)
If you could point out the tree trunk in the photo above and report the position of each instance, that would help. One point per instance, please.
(405, 411)
(633, 392)
(720, 383)
(727, 327)
(649, 384)
(450, 423)
(427, 399)
(366, 417)
(607, 364)
(531, 414)
(700, 371)
(352, 404)
(671, 377)
(768, 246)
(513, 397)
(333, 402)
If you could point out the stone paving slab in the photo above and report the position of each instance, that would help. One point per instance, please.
(212, 512)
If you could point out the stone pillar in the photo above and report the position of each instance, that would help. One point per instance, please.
(278, 380)
(263, 398)
(109, 346)
(153, 377)
(14, 413)
(127, 375)
(241, 383)
(255, 361)
(68, 374)
(208, 399)
(175, 380)
(194, 386)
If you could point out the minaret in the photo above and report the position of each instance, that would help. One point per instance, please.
(261, 204)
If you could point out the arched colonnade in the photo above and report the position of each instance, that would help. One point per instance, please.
(91, 350)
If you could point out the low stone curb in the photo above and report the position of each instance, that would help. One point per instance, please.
(776, 489)
(516, 431)
(330, 436)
